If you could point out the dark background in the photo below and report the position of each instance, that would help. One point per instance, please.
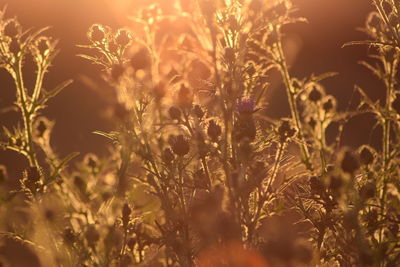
(79, 110)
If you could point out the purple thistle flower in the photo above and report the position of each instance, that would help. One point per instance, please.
(246, 106)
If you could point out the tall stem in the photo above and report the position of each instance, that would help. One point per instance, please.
(292, 102)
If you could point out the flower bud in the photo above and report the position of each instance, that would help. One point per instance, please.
(198, 111)
(315, 94)
(213, 130)
(96, 33)
(366, 155)
(179, 145)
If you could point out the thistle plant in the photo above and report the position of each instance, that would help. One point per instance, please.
(197, 174)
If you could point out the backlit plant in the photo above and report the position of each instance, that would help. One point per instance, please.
(197, 174)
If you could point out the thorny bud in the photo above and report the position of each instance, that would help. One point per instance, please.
(315, 94)
(174, 113)
(179, 145)
(126, 212)
(246, 106)
(349, 163)
(285, 131)
(91, 161)
(251, 70)
(366, 155)
(328, 105)
(198, 111)
(167, 156)
(141, 60)
(387, 7)
(312, 122)
(367, 191)
(123, 38)
(213, 130)
(96, 33)
(12, 29)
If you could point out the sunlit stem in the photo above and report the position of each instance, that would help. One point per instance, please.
(292, 101)
(26, 113)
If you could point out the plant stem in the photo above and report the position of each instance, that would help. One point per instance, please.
(292, 102)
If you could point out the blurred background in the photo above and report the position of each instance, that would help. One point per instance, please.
(79, 110)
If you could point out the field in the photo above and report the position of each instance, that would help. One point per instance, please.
(200, 133)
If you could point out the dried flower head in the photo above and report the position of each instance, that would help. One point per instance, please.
(179, 145)
(246, 106)
(213, 130)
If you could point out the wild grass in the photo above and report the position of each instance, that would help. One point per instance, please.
(197, 175)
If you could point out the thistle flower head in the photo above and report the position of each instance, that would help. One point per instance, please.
(246, 106)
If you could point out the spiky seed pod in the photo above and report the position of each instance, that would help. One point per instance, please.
(123, 38)
(328, 105)
(97, 33)
(179, 145)
(198, 111)
(126, 212)
(285, 131)
(213, 130)
(349, 163)
(312, 122)
(315, 94)
(12, 28)
(174, 113)
(246, 106)
(367, 155)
